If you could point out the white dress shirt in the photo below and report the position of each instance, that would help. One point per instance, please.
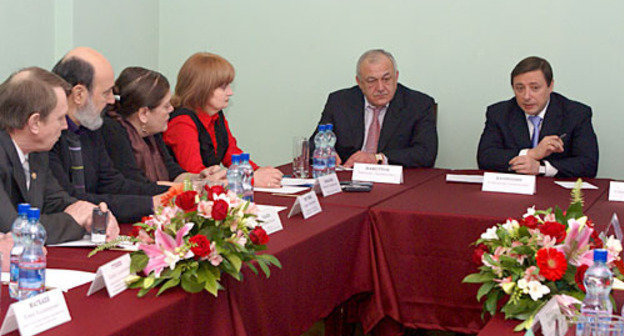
(368, 121)
(24, 161)
(550, 170)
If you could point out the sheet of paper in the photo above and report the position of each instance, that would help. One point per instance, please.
(276, 208)
(61, 278)
(570, 185)
(282, 190)
(343, 168)
(289, 181)
(86, 242)
(464, 178)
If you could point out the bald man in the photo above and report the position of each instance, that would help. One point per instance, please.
(79, 159)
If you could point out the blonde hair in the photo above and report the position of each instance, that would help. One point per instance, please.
(199, 77)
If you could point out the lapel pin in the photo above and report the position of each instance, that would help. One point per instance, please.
(33, 175)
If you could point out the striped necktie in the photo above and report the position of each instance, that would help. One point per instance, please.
(77, 167)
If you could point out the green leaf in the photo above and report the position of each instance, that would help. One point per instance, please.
(478, 278)
(492, 300)
(271, 259)
(138, 261)
(252, 268)
(212, 287)
(575, 210)
(264, 268)
(143, 291)
(508, 262)
(526, 250)
(190, 283)
(171, 283)
(484, 289)
(237, 263)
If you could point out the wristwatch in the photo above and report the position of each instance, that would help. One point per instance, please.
(379, 158)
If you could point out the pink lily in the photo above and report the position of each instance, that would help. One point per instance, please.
(576, 243)
(166, 251)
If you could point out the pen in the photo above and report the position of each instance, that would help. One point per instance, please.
(562, 136)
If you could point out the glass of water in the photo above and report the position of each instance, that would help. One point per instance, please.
(301, 157)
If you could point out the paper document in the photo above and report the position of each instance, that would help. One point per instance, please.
(289, 181)
(282, 190)
(464, 178)
(86, 242)
(61, 278)
(343, 168)
(570, 185)
(265, 208)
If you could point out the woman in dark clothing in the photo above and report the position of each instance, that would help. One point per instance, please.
(133, 130)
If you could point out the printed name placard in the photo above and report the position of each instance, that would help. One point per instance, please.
(509, 183)
(112, 275)
(377, 173)
(328, 185)
(308, 204)
(270, 221)
(616, 191)
(37, 314)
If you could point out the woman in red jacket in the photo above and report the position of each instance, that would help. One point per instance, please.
(198, 133)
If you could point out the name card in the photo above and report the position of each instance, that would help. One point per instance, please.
(112, 275)
(37, 314)
(307, 204)
(509, 183)
(270, 221)
(377, 173)
(616, 191)
(328, 185)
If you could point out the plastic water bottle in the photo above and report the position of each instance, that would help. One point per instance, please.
(330, 151)
(598, 281)
(234, 176)
(247, 176)
(319, 158)
(32, 262)
(19, 224)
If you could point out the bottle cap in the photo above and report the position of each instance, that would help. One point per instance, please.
(329, 127)
(245, 156)
(600, 255)
(236, 159)
(33, 214)
(322, 128)
(22, 209)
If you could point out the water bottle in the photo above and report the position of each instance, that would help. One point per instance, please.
(32, 262)
(598, 280)
(234, 176)
(19, 224)
(247, 176)
(330, 141)
(319, 161)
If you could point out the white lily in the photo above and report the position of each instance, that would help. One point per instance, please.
(490, 234)
(537, 290)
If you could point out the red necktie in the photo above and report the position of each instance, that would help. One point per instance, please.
(373, 132)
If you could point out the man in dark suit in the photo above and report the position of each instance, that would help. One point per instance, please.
(33, 104)
(379, 120)
(538, 132)
(79, 159)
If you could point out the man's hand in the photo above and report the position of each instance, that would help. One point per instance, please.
(268, 177)
(214, 174)
(549, 144)
(82, 213)
(524, 165)
(112, 227)
(360, 157)
(338, 159)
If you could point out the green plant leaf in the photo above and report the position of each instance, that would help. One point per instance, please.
(478, 278)
(252, 268)
(526, 250)
(138, 261)
(271, 259)
(236, 262)
(212, 287)
(264, 267)
(484, 289)
(492, 300)
(190, 283)
(170, 283)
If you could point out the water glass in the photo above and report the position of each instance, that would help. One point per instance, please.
(301, 157)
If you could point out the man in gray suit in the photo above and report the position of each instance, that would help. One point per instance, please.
(33, 105)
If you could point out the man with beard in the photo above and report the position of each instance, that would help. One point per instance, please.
(33, 105)
(79, 159)
(379, 120)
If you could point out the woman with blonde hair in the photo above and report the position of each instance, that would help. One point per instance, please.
(198, 133)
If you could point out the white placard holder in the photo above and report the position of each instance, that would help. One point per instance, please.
(36, 314)
(308, 204)
(112, 275)
(328, 185)
(509, 183)
(616, 191)
(270, 221)
(377, 173)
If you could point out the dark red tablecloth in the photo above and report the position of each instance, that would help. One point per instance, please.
(326, 259)
(423, 241)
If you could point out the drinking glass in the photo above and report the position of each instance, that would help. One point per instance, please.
(301, 157)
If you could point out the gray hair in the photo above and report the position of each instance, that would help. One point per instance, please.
(373, 56)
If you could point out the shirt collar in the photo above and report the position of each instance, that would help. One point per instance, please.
(206, 116)
(368, 105)
(542, 112)
(22, 157)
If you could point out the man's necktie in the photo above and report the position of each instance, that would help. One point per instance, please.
(373, 132)
(77, 168)
(536, 121)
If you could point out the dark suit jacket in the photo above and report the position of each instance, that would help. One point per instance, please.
(408, 136)
(506, 133)
(44, 193)
(119, 149)
(128, 200)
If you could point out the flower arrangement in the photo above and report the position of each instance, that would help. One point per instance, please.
(193, 238)
(541, 256)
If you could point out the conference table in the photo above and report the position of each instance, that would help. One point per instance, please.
(400, 250)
